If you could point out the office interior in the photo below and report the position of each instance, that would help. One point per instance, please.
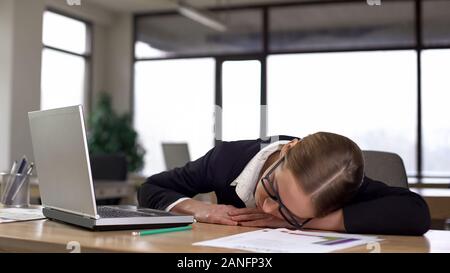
(187, 75)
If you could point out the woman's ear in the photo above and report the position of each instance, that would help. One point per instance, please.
(288, 146)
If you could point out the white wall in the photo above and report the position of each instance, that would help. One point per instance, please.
(26, 76)
(6, 20)
(119, 61)
(99, 58)
(20, 65)
(21, 30)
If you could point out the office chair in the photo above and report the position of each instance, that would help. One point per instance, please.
(385, 167)
(175, 154)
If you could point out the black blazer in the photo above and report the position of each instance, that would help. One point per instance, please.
(376, 208)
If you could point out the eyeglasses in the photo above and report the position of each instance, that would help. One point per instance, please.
(273, 193)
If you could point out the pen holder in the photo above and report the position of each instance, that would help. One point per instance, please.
(15, 190)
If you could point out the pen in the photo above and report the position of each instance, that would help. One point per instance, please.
(13, 166)
(161, 230)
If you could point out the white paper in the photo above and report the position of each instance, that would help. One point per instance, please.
(290, 241)
(8, 215)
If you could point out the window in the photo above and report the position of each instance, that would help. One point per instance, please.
(360, 95)
(174, 102)
(435, 112)
(241, 93)
(65, 61)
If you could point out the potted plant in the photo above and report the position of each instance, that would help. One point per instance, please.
(113, 143)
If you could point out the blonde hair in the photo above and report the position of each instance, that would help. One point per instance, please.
(329, 167)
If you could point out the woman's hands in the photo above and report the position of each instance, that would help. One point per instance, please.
(216, 214)
(254, 217)
(248, 217)
(228, 215)
(251, 217)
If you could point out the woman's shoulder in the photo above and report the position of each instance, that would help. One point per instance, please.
(372, 189)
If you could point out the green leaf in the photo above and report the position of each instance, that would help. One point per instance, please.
(110, 133)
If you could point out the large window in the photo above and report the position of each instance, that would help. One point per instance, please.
(174, 103)
(374, 73)
(360, 95)
(65, 61)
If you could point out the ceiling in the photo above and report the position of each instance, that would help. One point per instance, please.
(151, 5)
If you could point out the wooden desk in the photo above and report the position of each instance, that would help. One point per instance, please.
(49, 236)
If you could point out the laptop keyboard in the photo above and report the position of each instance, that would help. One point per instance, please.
(111, 212)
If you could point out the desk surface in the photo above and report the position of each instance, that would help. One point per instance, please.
(49, 236)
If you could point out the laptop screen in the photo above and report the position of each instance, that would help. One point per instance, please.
(62, 160)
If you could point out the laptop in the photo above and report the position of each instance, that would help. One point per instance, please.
(65, 178)
(175, 154)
